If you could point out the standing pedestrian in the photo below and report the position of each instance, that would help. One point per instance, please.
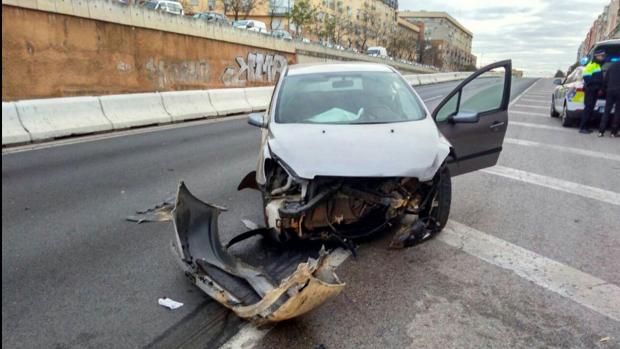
(593, 84)
(612, 80)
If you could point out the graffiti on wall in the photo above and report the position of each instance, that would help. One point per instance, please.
(258, 67)
(165, 74)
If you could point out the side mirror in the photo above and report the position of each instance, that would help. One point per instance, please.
(465, 117)
(257, 119)
(557, 81)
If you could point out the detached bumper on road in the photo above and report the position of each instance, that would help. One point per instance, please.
(245, 289)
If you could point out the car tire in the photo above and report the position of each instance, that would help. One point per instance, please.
(554, 113)
(566, 121)
(442, 201)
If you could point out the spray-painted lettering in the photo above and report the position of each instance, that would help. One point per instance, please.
(258, 67)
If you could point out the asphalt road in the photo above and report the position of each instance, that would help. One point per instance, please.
(76, 274)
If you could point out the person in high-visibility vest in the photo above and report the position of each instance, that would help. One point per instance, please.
(593, 86)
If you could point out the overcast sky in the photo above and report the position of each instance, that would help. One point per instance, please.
(540, 36)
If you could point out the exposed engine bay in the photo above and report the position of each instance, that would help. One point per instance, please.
(344, 209)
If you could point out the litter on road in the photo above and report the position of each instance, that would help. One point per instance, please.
(169, 303)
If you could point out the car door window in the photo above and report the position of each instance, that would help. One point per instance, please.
(449, 109)
(481, 96)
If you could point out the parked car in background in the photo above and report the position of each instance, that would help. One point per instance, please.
(567, 100)
(282, 34)
(166, 6)
(377, 51)
(251, 25)
(213, 17)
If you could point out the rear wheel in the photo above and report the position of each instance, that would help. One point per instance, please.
(566, 121)
(554, 113)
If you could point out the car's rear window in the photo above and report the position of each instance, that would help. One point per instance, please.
(612, 53)
(347, 98)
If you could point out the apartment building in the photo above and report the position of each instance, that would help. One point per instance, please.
(448, 43)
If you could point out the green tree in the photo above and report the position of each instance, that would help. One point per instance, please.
(238, 7)
(303, 14)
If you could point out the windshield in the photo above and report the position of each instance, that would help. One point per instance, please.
(373, 52)
(151, 5)
(241, 23)
(347, 98)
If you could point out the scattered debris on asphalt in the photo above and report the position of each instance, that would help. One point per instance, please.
(169, 303)
(161, 212)
(605, 339)
(249, 291)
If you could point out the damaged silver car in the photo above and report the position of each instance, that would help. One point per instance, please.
(347, 151)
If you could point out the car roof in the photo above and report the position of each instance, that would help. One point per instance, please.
(607, 42)
(317, 68)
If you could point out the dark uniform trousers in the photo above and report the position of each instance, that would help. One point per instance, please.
(613, 98)
(589, 104)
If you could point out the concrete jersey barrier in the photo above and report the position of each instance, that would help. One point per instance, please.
(188, 105)
(12, 130)
(259, 97)
(61, 117)
(33, 120)
(136, 109)
(229, 101)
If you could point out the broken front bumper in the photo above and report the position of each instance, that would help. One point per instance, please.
(245, 289)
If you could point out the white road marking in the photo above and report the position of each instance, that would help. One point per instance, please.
(527, 113)
(585, 289)
(247, 337)
(544, 127)
(431, 98)
(535, 101)
(577, 151)
(523, 93)
(530, 107)
(538, 94)
(586, 191)
(251, 334)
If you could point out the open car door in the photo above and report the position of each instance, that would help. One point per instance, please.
(474, 117)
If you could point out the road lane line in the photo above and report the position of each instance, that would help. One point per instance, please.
(527, 113)
(582, 288)
(535, 101)
(530, 107)
(583, 190)
(577, 151)
(431, 98)
(540, 126)
(523, 93)
(251, 334)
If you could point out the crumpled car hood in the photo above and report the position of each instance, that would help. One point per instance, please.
(405, 149)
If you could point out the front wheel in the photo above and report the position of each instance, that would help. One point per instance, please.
(439, 211)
